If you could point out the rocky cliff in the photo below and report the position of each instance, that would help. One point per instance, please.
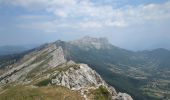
(47, 66)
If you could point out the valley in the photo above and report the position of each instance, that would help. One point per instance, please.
(144, 75)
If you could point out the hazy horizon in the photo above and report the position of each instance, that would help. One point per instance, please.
(129, 24)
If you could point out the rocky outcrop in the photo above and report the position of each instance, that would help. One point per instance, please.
(48, 62)
(83, 78)
(77, 78)
(42, 58)
(57, 57)
(123, 96)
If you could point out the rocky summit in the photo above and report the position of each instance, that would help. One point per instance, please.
(46, 71)
(87, 41)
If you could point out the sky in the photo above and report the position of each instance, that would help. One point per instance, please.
(129, 24)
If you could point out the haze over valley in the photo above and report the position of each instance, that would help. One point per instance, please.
(84, 50)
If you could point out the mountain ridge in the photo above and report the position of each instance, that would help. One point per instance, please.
(143, 68)
(46, 65)
(142, 72)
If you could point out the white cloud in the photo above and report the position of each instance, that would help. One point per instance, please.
(85, 14)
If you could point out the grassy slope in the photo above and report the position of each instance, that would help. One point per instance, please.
(100, 94)
(45, 91)
(40, 93)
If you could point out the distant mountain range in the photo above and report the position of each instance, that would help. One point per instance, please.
(145, 75)
(11, 49)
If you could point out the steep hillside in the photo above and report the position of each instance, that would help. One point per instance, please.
(144, 75)
(45, 67)
(146, 72)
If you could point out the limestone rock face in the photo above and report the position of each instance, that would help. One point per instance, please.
(124, 96)
(48, 63)
(43, 58)
(57, 56)
(82, 77)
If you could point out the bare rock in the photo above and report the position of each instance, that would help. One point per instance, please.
(123, 96)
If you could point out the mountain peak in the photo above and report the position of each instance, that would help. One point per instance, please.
(88, 41)
(92, 39)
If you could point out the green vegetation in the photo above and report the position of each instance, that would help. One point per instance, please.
(9, 59)
(63, 68)
(44, 82)
(149, 64)
(41, 57)
(40, 93)
(6, 60)
(66, 67)
(153, 65)
(37, 69)
(100, 94)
